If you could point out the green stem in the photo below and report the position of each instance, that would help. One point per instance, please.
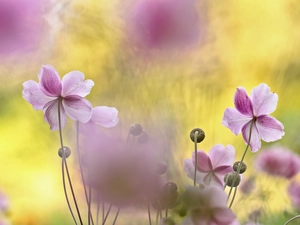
(292, 219)
(105, 218)
(149, 215)
(115, 220)
(196, 157)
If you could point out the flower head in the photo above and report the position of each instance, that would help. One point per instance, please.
(207, 206)
(251, 114)
(51, 94)
(293, 191)
(212, 167)
(278, 161)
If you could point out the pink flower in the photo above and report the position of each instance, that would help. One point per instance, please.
(68, 93)
(168, 23)
(254, 109)
(293, 191)
(278, 161)
(21, 25)
(101, 115)
(207, 206)
(211, 168)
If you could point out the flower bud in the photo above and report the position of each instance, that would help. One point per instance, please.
(242, 169)
(232, 179)
(66, 152)
(170, 188)
(143, 137)
(136, 129)
(167, 221)
(200, 135)
(161, 168)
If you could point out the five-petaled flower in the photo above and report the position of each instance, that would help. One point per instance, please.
(52, 95)
(251, 115)
(211, 168)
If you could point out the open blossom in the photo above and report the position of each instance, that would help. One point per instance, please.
(252, 112)
(21, 25)
(293, 191)
(68, 94)
(278, 161)
(211, 167)
(160, 24)
(207, 206)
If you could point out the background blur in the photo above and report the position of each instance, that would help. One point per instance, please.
(170, 92)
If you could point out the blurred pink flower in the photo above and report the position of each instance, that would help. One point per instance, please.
(121, 175)
(167, 23)
(101, 115)
(293, 191)
(247, 185)
(21, 25)
(68, 92)
(278, 161)
(207, 206)
(211, 168)
(254, 109)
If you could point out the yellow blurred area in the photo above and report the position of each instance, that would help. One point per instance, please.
(247, 42)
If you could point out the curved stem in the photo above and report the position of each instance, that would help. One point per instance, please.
(149, 215)
(105, 218)
(115, 220)
(196, 157)
(292, 219)
(65, 166)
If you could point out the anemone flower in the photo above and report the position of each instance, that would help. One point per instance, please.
(212, 167)
(207, 206)
(51, 94)
(278, 161)
(251, 114)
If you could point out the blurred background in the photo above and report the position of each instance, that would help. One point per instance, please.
(169, 89)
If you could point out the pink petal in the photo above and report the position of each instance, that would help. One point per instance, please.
(234, 120)
(220, 155)
(214, 196)
(242, 102)
(105, 116)
(34, 95)
(77, 108)
(51, 115)
(264, 101)
(255, 142)
(73, 84)
(223, 170)
(269, 128)
(204, 162)
(223, 216)
(49, 81)
(212, 179)
(88, 128)
(189, 168)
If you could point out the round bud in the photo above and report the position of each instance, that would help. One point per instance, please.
(242, 169)
(167, 221)
(142, 138)
(232, 179)
(136, 129)
(182, 212)
(170, 188)
(66, 152)
(161, 168)
(200, 135)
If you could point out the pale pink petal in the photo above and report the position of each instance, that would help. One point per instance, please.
(49, 81)
(220, 155)
(242, 102)
(234, 120)
(223, 216)
(51, 115)
(88, 128)
(204, 162)
(213, 179)
(105, 116)
(77, 108)
(223, 170)
(73, 84)
(264, 101)
(269, 128)
(214, 196)
(189, 168)
(255, 142)
(34, 95)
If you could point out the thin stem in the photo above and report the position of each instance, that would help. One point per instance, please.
(63, 163)
(149, 215)
(81, 173)
(166, 215)
(233, 197)
(292, 219)
(116, 216)
(105, 218)
(157, 215)
(196, 157)
(240, 164)
(89, 205)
